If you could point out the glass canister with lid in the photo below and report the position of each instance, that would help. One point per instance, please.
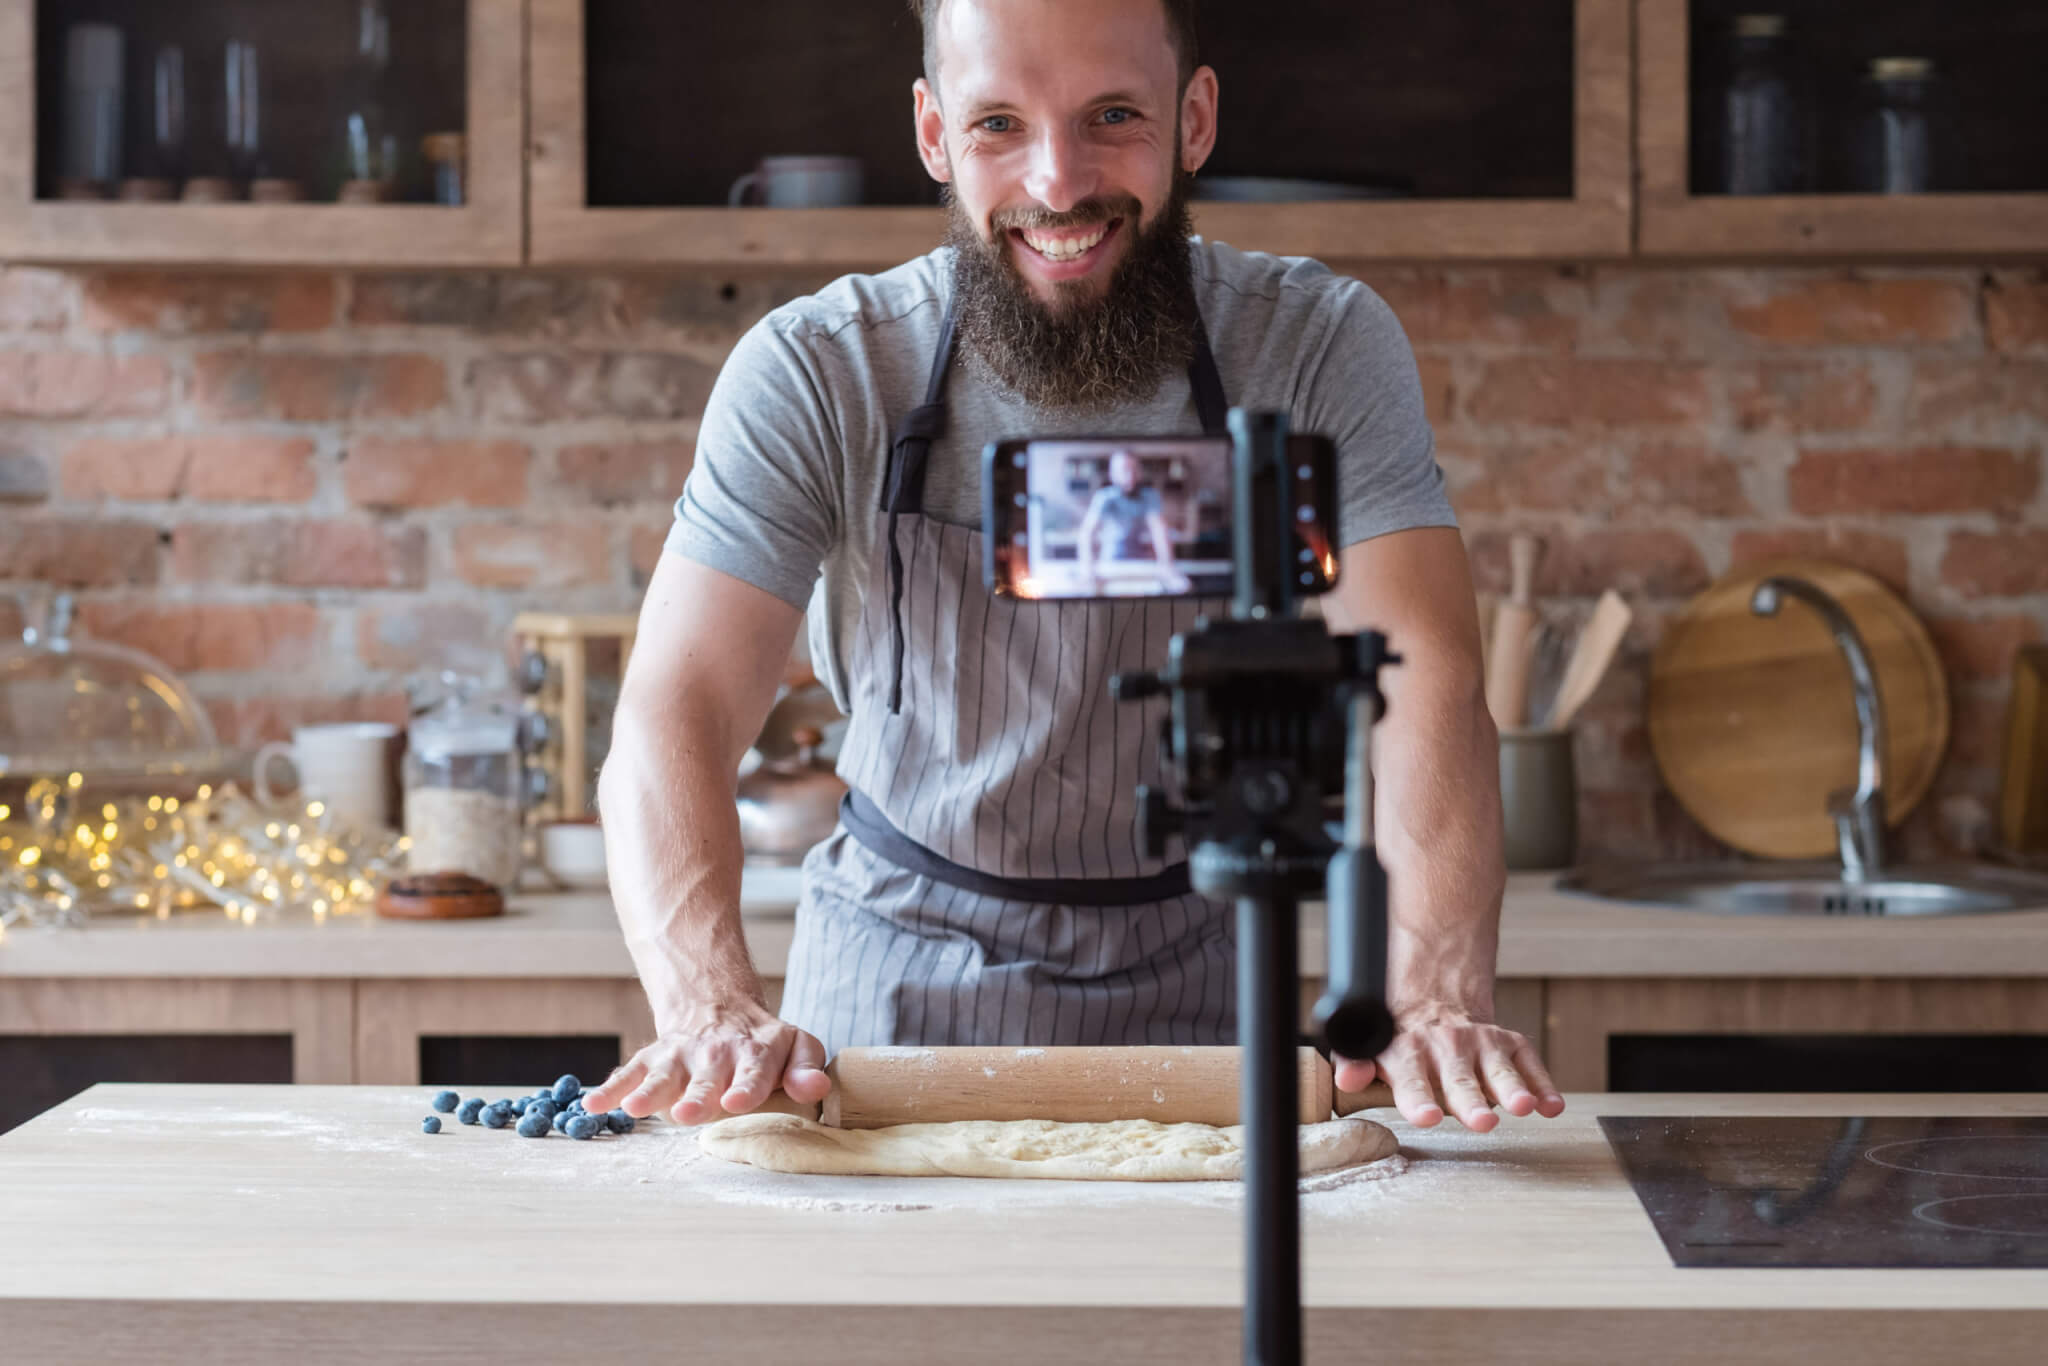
(1761, 114)
(1900, 138)
(465, 787)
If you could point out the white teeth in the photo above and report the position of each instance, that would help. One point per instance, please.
(1068, 250)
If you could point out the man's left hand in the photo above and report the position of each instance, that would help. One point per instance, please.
(1444, 1061)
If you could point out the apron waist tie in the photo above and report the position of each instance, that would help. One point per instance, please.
(866, 823)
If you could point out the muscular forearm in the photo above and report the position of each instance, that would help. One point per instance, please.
(1438, 823)
(672, 843)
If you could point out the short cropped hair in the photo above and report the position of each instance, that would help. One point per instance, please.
(1180, 27)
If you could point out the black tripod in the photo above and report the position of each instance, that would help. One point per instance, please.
(1270, 715)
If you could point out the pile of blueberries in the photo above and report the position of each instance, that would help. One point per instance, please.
(559, 1107)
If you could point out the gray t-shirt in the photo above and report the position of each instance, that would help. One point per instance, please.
(1123, 521)
(794, 443)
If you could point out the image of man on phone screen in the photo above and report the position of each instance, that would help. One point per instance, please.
(1126, 525)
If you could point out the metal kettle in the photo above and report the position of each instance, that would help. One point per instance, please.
(788, 805)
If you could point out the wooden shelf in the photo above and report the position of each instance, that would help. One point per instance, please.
(1593, 222)
(487, 230)
(1674, 222)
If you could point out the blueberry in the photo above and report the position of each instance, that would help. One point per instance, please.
(562, 1119)
(430, 1125)
(533, 1126)
(567, 1088)
(543, 1107)
(584, 1125)
(471, 1109)
(446, 1102)
(494, 1118)
(620, 1122)
(518, 1107)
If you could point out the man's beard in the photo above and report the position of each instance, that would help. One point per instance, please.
(1082, 352)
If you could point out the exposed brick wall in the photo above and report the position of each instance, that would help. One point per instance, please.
(302, 489)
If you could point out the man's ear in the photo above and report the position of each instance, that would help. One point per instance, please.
(931, 132)
(1198, 119)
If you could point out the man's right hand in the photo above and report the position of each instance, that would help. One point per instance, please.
(722, 1059)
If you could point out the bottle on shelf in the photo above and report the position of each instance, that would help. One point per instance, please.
(163, 111)
(1762, 111)
(1896, 138)
(369, 136)
(91, 164)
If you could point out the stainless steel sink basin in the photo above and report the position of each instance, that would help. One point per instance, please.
(1817, 889)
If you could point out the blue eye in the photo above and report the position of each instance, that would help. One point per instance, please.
(989, 124)
(1119, 115)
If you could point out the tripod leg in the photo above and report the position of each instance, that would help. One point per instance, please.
(1268, 1005)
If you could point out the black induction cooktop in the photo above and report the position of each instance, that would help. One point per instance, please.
(1841, 1192)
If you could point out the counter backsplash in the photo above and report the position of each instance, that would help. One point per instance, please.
(301, 489)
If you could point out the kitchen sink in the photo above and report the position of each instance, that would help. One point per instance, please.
(1817, 889)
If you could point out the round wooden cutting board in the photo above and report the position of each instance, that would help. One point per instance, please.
(1753, 721)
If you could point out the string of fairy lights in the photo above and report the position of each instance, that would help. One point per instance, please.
(66, 853)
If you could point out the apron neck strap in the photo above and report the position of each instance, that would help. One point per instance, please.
(1210, 400)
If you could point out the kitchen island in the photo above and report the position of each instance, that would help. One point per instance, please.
(319, 1224)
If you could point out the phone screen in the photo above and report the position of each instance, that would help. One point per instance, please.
(1128, 517)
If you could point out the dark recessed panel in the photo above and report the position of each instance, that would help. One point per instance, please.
(43, 1070)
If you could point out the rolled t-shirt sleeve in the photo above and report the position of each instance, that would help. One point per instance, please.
(1366, 395)
(761, 500)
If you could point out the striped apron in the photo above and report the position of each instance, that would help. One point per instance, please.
(985, 884)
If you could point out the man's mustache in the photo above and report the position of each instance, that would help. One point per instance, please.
(1085, 214)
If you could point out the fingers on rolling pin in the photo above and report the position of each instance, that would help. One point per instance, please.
(879, 1087)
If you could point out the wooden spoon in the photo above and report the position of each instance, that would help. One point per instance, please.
(1591, 656)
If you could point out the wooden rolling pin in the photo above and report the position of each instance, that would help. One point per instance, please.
(1513, 648)
(874, 1088)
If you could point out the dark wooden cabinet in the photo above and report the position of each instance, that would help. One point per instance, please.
(457, 66)
(1993, 177)
(1490, 130)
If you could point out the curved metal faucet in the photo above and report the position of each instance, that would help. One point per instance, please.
(1859, 812)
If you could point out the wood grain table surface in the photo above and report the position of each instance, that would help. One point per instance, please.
(316, 1224)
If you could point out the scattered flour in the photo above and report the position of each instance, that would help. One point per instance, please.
(665, 1154)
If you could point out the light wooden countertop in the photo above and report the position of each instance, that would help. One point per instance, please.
(233, 1224)
(1544, 933)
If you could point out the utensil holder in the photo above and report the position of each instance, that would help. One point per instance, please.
(1539, 796)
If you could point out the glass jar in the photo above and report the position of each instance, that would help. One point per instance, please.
(464, 786)
(114, 716)
(1762, 112)
(1893, 147)
(369, 134)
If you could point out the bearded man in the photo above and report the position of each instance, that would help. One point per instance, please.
(986, 884)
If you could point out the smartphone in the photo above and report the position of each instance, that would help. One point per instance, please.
(1139, 517)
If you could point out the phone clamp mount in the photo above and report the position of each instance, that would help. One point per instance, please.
(1270, 715)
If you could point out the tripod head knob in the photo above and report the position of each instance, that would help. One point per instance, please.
(1135, 687)
(1156, 821)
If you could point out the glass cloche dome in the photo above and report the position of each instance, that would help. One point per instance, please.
(106, 712)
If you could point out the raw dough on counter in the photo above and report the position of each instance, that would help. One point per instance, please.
(1032, 1149)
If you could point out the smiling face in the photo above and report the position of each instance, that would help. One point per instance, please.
(1061, 127)
(1067, 147)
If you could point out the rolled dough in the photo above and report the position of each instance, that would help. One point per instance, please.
(1031, 1149)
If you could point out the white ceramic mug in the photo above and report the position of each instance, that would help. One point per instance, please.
(800, 183)
(346, 765)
